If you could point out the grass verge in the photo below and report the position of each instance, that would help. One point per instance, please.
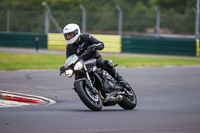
(17, 61)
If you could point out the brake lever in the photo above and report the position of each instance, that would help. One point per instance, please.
(85, 53)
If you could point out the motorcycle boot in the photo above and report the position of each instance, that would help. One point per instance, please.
(121, 80)
(108, 66)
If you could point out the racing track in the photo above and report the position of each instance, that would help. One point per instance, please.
(168, 101)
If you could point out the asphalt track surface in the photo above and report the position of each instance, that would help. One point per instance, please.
(168, 101)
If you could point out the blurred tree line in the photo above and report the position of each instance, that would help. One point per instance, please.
(177, 16)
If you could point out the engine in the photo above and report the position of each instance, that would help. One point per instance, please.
(108, 81)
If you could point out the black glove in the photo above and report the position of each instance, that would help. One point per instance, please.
(91, 48)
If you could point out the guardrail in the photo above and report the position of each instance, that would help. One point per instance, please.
(113, 43)
(23, 40)
(161, 45)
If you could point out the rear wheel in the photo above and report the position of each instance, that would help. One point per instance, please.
(129, 102)
(92, 101)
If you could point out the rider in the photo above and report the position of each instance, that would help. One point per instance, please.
(78, 43)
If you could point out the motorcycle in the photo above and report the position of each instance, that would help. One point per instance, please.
(96, 87)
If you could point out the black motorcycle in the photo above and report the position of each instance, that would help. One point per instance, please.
(95, 87)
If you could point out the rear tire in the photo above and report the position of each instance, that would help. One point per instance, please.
(129, 102)
(92, 102)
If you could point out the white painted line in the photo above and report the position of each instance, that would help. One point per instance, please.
(8, 103)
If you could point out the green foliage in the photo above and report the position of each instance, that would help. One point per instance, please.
(102, 15)
(102, 5)
(175, 6)
(142, 8)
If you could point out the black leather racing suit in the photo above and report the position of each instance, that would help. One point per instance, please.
(85, 41)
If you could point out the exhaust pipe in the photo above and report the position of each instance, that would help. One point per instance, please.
(113, 98)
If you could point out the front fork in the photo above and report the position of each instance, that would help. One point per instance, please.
(88, 82)
(87, 75)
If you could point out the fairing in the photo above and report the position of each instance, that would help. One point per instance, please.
(71, 60)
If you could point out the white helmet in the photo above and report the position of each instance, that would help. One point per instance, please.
(71, 28)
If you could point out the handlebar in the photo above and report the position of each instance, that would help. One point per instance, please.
(62, 70)
(85, 53)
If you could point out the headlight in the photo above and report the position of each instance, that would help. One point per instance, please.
(78, 66)
(69, 72)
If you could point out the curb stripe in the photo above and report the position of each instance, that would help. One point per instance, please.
(8, 99)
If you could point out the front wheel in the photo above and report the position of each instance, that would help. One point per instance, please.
(129, 102)
(92, 101)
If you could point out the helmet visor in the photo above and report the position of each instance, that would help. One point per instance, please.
(71, 35)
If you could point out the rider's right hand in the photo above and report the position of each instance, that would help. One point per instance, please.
(92, 48)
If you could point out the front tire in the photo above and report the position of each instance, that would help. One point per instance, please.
(93, 102)
(129, 102)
